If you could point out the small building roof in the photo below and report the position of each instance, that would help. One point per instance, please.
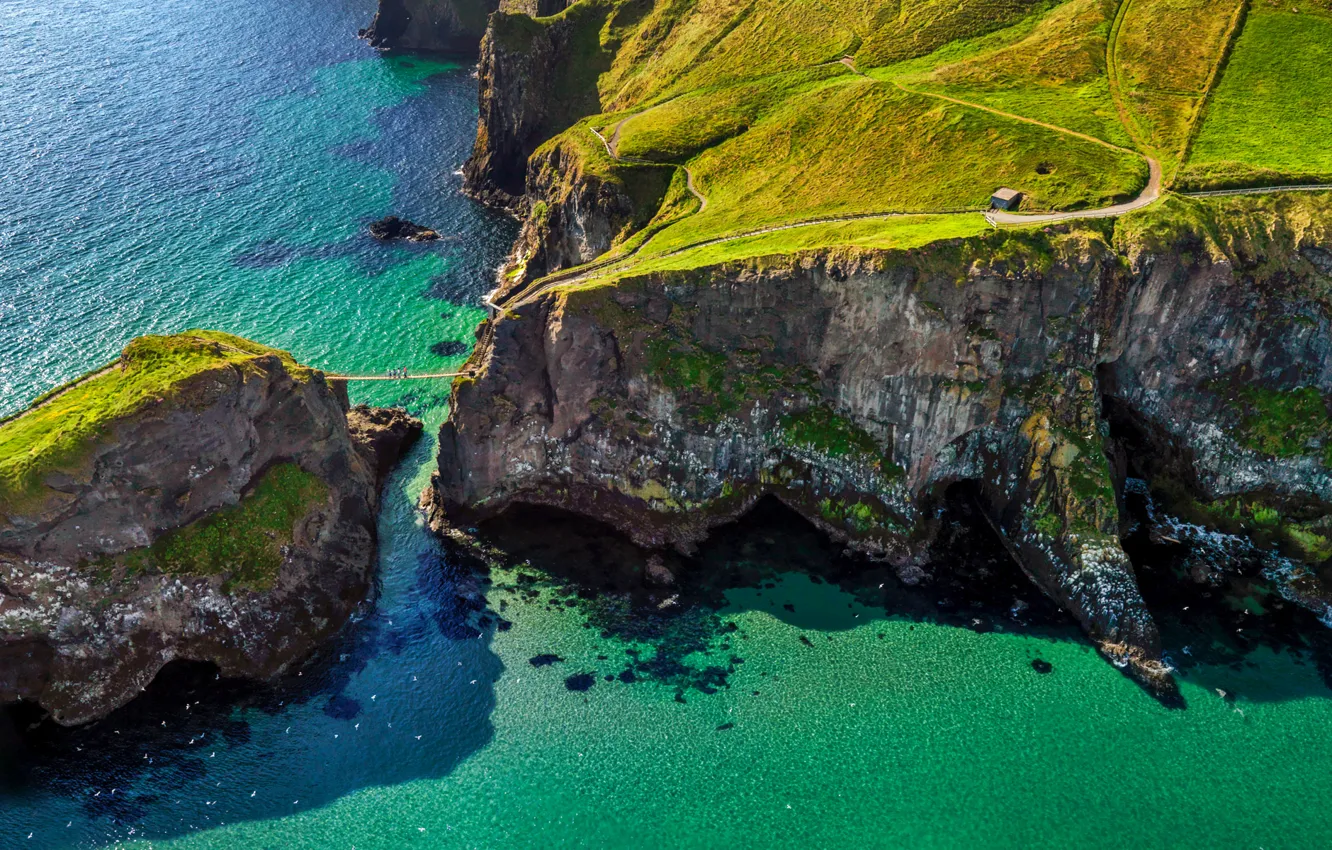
(1006, 194)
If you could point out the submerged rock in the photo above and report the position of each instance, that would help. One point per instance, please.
(392, 228)
(580, 682)
(449, 348)
(204, 498)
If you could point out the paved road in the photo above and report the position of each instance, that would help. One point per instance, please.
(1260, 190)
(1149, 195)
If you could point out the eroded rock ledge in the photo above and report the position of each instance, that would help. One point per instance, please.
(227, 516)
(856, 386)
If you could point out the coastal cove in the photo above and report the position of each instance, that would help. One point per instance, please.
(183, 165)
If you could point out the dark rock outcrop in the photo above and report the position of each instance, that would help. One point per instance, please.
(537, 78)
(382, 435)
(577, 214)
(110, 569)
(534, 8)
(391, 228)
(450, 26)
(858, 386)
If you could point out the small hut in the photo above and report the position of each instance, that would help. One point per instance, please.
(1006, 199)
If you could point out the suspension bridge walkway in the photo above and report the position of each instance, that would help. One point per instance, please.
(403, 376)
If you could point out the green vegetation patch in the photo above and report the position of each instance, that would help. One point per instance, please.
(1284, 423)
(1270, 116)
(1167, 53)
(715, 384)
(922, 26)
(1302, 531)
(868, 147)
(822, 430)
(58, 431)
(1073, 488)
(1054, 72)
(861, 517)
(244, 542)
(682, 127)
(898, 232)
(710, 384)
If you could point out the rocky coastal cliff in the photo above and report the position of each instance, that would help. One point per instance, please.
(536, 80)
(1031, 372)
(445, 26)
(204, 498)
(448, 26)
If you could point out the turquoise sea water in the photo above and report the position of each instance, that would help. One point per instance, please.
(167, 164)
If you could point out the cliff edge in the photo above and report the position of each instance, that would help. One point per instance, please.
(863, 387)
(446, 26)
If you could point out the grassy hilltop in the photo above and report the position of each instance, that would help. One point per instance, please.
(909, 113)
(64, 425)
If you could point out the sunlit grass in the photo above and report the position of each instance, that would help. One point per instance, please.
(62, 427)
(1270, 119)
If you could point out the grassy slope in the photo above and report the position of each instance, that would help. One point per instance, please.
(243, 542)
(750, 95)
(1270, 118)
(57, 433)
(1053, 71)
(1166, 53)
(901, 233)
(864, 146)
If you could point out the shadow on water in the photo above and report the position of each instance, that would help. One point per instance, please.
(1216, 622)
(197, 750)
(773, 560)
(1219, 616)
(770, 560)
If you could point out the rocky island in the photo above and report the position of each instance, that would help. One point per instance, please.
(391, 228)
(202, 498)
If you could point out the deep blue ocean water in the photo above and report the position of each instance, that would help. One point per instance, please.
(166, 164)
(179, 164)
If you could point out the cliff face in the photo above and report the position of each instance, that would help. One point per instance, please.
(229, 517)
(537, 78)
(452, 26)
(579, 210)
(861, 388)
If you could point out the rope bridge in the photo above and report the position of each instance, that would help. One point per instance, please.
(406, 376)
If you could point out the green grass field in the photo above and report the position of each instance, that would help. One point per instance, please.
(857, 145)
(899, 232)
(1166, 53)
(1270, 119)
(753, 98)
(1051, 68)
(60, 428)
